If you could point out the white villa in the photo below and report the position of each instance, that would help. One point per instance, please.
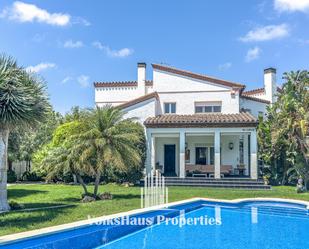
(196, 125)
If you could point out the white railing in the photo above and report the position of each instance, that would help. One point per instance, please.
(154, 191)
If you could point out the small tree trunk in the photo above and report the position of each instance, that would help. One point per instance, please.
(74, 178)
(10, 165)
(284, 173)
(4, 136)
(96, 184)
(81, 181)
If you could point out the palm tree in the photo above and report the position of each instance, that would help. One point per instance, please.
(64, 153)
(109, 140)
(23, 101)
(62, 160)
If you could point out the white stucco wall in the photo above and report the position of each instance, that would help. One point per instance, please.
(115, 95)
(254, 106)
(185, 101)
(142, 110)
(159, 154)
(168, 82)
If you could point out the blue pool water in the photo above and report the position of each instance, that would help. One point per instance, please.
(249, 225)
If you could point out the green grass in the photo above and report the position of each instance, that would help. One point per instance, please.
(33, 196)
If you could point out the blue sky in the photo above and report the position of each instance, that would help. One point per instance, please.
(73, 43)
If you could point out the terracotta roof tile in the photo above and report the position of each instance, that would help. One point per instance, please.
(259, 90)
(120, 83)
(197, 76)
(255, 91)
(139, 100)
(242, 119)
(255, 99)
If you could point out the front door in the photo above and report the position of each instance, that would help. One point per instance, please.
(169, 159)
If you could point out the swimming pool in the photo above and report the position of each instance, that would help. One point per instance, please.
(246, 224)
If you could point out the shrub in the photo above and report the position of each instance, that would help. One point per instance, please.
(31, 177)
(11, 176)
(15, 205)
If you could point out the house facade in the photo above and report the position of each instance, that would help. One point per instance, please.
(195, 125)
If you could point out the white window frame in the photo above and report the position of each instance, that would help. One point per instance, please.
(169, 107)
(205, 104)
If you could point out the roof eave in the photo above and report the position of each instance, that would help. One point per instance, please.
(201, 125)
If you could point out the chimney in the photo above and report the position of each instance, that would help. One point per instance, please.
(270, 84)
(141, 77)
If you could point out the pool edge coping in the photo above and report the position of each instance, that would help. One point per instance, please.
(7, 239)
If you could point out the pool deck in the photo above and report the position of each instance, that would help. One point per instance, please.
(74, 225)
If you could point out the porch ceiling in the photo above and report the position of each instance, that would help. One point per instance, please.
(242, 119)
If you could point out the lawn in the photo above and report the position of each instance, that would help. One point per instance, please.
(125, 198)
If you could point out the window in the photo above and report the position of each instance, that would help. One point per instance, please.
(212, 156)
(206, 107)
(169, 107)
(201, 155)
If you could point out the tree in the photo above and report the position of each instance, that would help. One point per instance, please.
(288, 121)
(63, 156)
(23, 102)
(109, 140)
(25, 141)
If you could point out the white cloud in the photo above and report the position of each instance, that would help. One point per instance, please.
(24, 12)
(225, 66)
(40, 67)
(73, 44)
(121, 53)
(83, 80)
(266, 33)
(253, 54)
(66, 79)
(291, 5)
(80, 20)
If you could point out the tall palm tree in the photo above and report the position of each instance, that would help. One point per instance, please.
(109, 140)
(23, 101)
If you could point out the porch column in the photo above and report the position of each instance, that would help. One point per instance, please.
(182, 145)
(217, 154)
(253, 155)
(150, 157)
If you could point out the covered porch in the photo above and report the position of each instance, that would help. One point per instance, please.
(208, 152)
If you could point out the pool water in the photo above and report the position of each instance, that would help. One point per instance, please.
(240, 228)
(250, 225)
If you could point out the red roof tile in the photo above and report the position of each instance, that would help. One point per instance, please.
(255, 99)
(120, 83)
(242, 119)
(259, 90)
(255, 91)
(197, 76)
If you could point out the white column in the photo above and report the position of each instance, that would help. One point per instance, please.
(253, 155)
(150, 157)
(182, 148)
(217, 154)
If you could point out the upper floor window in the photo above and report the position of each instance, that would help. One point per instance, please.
(169, 107)
(205, 107)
